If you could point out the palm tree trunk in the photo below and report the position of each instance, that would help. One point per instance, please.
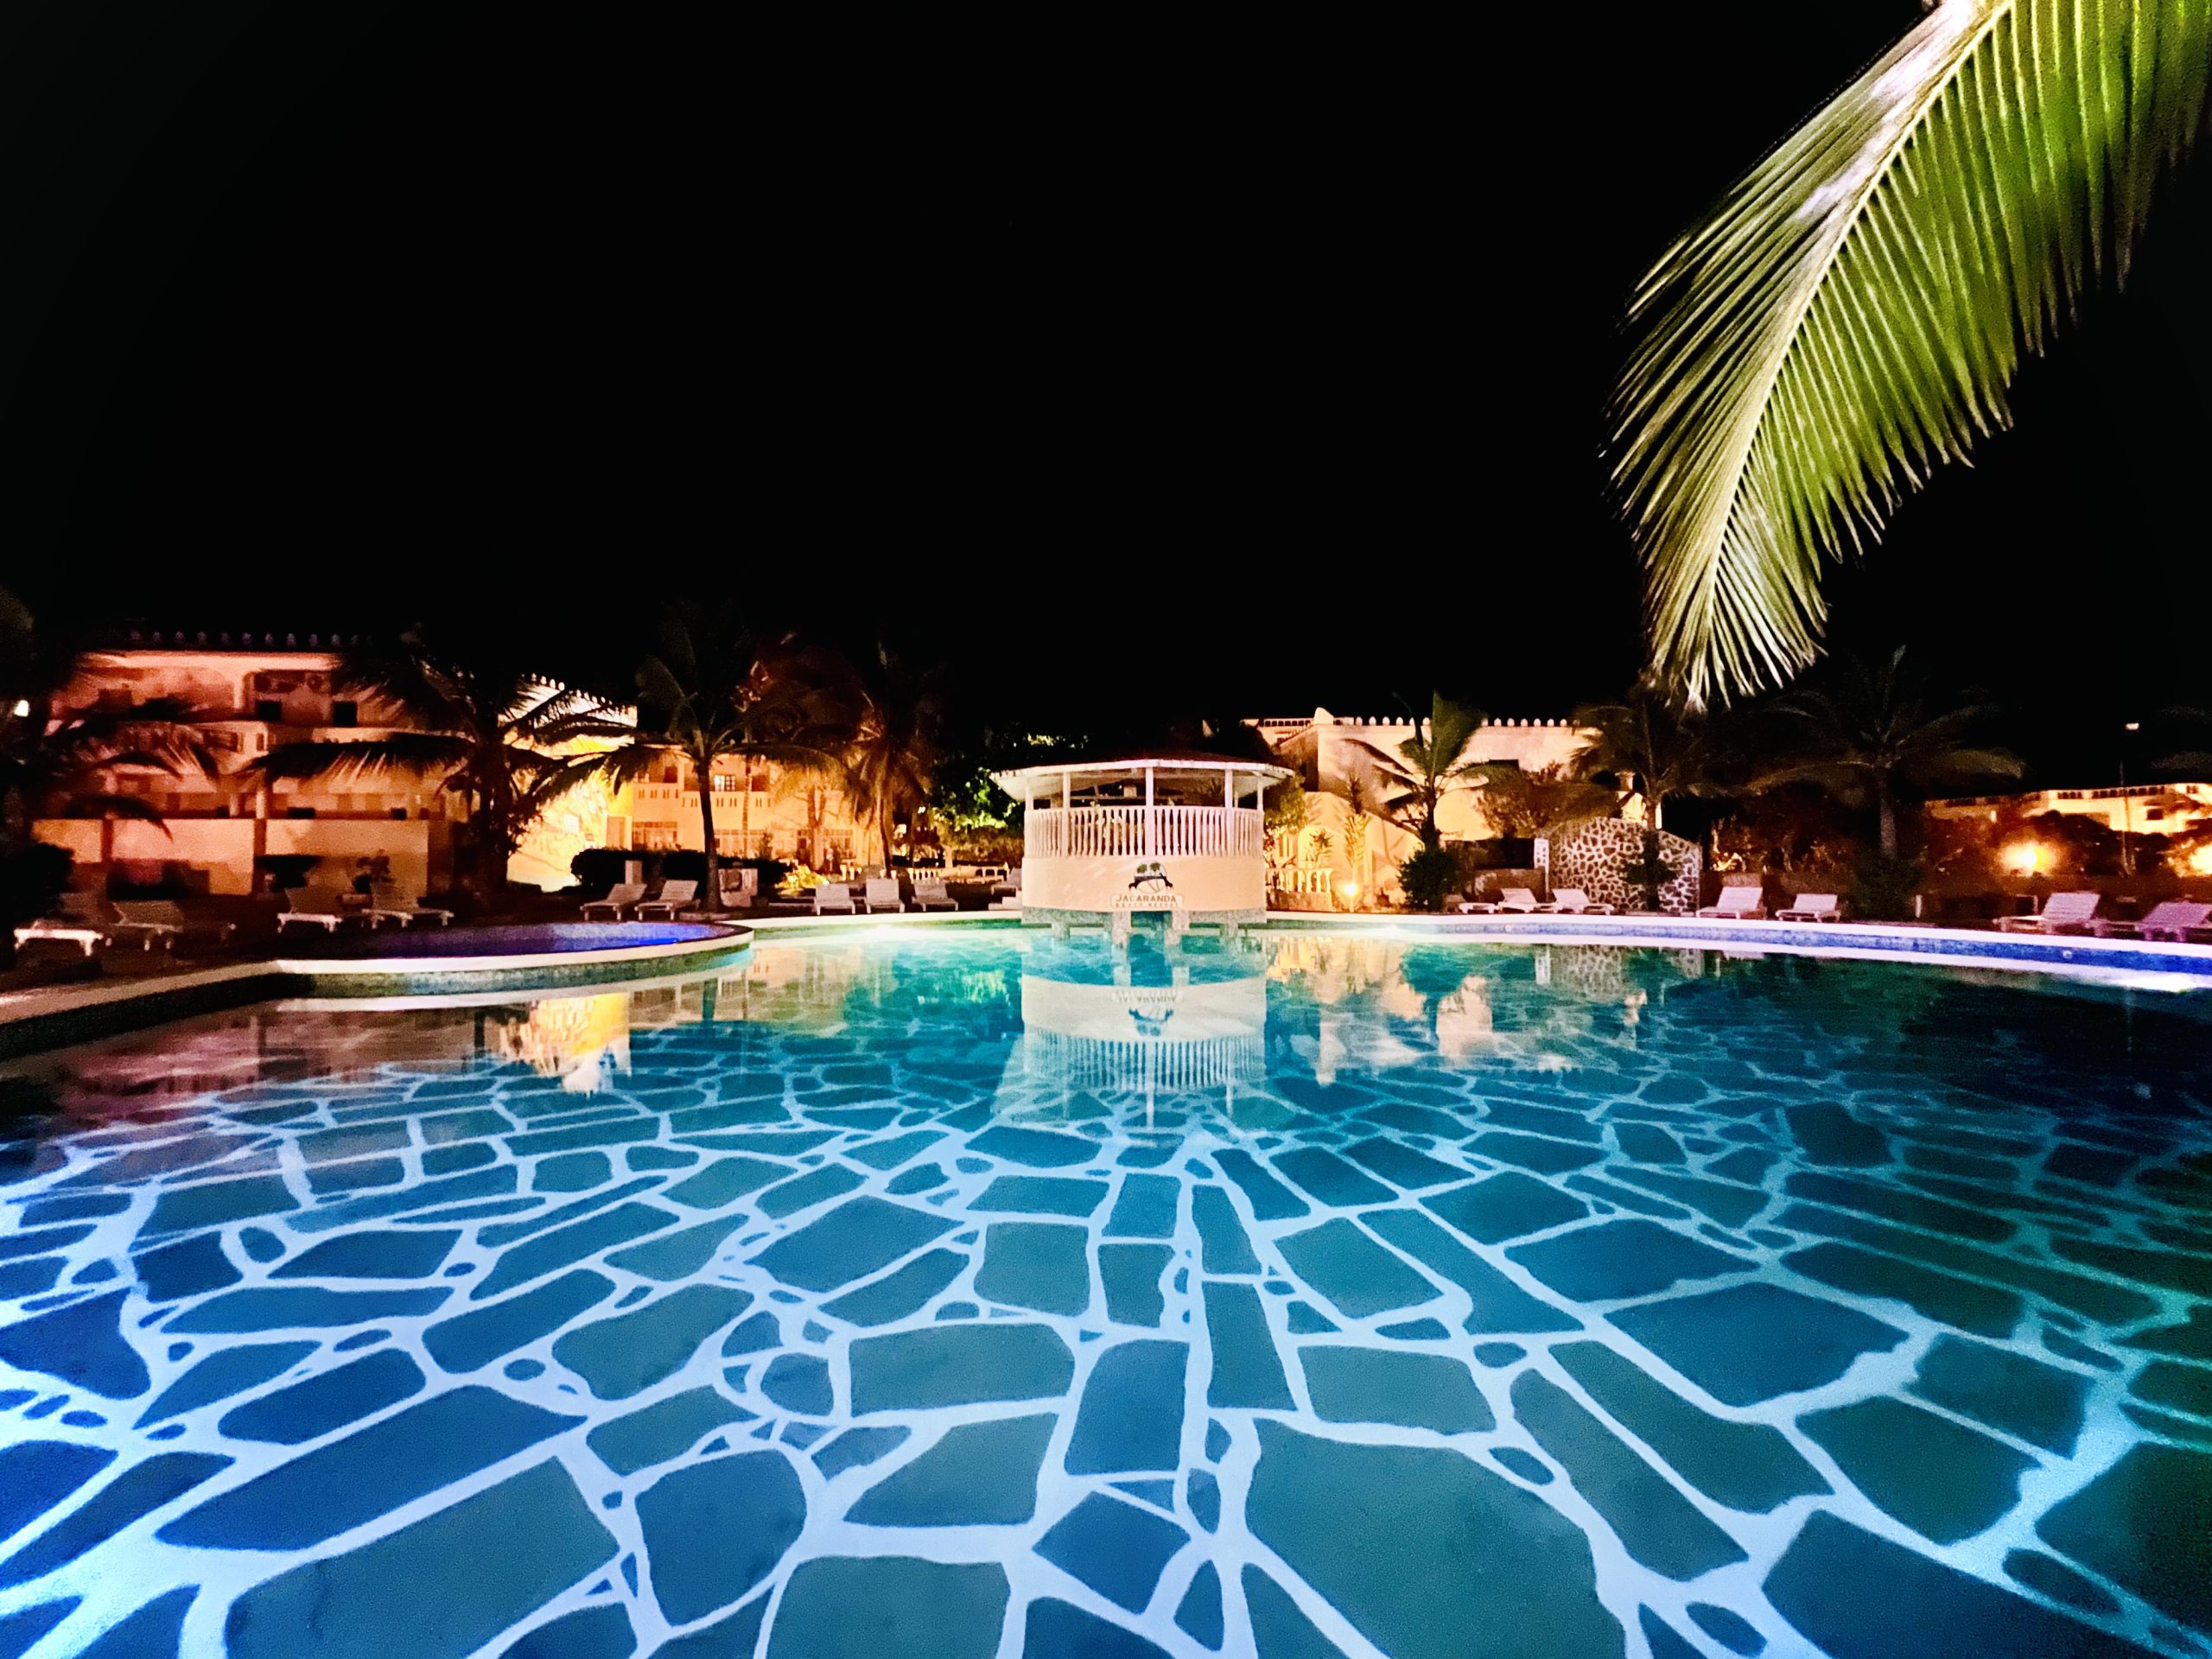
(883, 830)
(1886, 810)
(714, 901)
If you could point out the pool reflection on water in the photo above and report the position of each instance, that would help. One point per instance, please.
(950, 1295)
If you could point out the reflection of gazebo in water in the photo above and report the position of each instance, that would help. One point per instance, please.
(1198, 1028)
(1181, 835)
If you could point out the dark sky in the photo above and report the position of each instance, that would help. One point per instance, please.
(1275, 361)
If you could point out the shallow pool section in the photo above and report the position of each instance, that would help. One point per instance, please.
(540, 956)
(969, 1294)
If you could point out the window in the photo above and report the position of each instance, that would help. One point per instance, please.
(299, 811)
(268, 709)
(345, 714)
(724, 784)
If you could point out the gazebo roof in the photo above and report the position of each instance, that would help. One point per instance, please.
(1135, 763)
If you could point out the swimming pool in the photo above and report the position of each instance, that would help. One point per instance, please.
(960, 1295)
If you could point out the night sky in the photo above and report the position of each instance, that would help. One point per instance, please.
(1275, 362)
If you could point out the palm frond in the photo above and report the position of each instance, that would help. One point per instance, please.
(413, 753)
(1851, 316)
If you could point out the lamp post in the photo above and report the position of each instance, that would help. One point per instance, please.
(2127, 803)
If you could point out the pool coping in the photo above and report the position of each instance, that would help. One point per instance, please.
(2136, 962)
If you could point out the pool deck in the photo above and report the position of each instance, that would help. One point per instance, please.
(54, 1017)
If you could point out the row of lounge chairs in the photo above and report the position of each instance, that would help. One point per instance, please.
(331, 908)
(1744, 904)
(630, 896)
(1522, 901)
(89, 920)
(1748, 904)
(2177, 919)
(627, 901)
(880, 893)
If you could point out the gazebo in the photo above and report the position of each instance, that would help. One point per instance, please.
(1176, 833)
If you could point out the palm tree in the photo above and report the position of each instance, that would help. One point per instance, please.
(1423, 768)
(714, 690)
(1853, 311)
(58, 757)
(888, 756)
(1872, 730)
(1649, 743)
(477, 719)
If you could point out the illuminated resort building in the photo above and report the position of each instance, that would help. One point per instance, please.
(251, 694)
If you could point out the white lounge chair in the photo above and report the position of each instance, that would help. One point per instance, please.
(1811, 908)
(619, 898)
(319, 908)
(1572, 901)
(388, 899)
(1737, 905)
(2170, 918)
(162, 918)
(83, 920)
(881, 893)
(672, 897)
(741, 888)
(833, 896)
(1518, 901)
(2062, 912)
(1009, 885)
(933, 895)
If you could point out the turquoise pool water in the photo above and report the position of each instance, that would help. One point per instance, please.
(958, 1296)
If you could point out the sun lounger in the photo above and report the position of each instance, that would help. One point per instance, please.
(619, 898)
(319, 908)
(933, 895)
(881, 893)
(672, 897)
(1519, 901)
(833, 896)
(1737, 905)
(162, 918)
(387, 898)
(1811, 908)
(1008, 886)
(741, 888)
(2062, 912)
(84, 921)
(2172, 919)
(1572, 901)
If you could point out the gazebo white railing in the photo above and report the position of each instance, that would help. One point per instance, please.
(1145, 832)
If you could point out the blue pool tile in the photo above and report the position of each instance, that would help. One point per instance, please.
(371, 1473)
(371, 1602)
(308, 1409)
(713, 1530)
(1116, 1548)
(977, 1474)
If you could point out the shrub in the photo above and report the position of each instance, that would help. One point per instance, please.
(1427, 876)
(30, 881)
(598, 868)
(1881, 888)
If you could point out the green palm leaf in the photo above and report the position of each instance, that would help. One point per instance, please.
(1853, 312)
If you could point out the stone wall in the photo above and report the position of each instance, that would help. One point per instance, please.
(1589, 855)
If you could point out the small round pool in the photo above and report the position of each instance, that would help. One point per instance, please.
(532, 956)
